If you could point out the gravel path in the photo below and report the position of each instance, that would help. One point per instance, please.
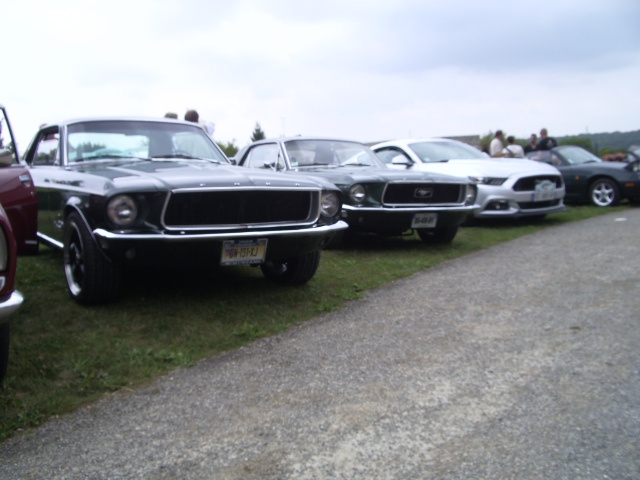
(520, 361)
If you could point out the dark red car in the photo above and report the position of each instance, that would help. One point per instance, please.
(18, 229)
(18, 194)
(10, 299)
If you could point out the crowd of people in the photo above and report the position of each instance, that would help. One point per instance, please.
(498, 149)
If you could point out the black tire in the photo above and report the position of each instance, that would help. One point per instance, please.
(438, 235)
(294, 271)
(604, 193)
(91, 277)
(5, 335)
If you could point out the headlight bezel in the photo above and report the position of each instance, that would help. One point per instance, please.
(123, 210)
(357, 193)
(330, 204)
(471, 194)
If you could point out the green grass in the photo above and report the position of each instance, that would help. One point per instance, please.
(64, 356)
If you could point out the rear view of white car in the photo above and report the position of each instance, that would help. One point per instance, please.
(507, 188)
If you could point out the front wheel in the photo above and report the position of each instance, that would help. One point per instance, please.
(293, 271)
(437, 235)
(604, 193)
(91, 277)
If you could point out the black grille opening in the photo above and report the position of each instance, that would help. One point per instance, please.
(422, 193)
(543, 204)
(528, 184)
(237, 208)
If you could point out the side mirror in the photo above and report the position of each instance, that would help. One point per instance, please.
(270, 165)
(401, 160)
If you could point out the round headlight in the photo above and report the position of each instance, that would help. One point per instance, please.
(357, 193)
(122, 210)
(330, 204)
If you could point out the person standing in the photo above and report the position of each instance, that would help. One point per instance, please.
(546, 142)
(192, 116)
(532, 146)
(496, 146)
(512, 149)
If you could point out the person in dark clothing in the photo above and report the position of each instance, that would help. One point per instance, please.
(546, 142)
(532, 146)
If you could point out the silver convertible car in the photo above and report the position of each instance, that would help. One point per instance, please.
(507, 188)
(115, 192)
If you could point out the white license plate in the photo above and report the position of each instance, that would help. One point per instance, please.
(424, 220)
(242, 252)
(544, 191)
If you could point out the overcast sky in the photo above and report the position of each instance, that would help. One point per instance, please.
(364, 70)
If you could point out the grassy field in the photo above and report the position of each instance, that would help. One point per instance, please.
(64, 356)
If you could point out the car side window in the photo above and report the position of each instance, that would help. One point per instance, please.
(388, 154)
(264, 156)
(6, 140)
(555, 160)
(47, 151)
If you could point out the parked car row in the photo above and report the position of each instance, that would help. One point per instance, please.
(376, 199)
(116, 192)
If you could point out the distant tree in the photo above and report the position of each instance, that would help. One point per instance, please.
(229, 148)
(258, 134)
(583, 142)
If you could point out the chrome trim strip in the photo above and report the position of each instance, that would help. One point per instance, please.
(408, 208)
(266, 188)
(312, 217)
(49, 241)
(163, 237)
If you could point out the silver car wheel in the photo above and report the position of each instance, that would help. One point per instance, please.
(604, 193)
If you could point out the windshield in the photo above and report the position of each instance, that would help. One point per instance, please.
(577, 155)
(439, 151)
(139, 139)
(336, 153)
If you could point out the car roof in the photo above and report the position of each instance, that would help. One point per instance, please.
(306, 137)
(416, 140)
(120, 119)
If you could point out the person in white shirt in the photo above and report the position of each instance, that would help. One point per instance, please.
(512, 149)
(496, 147)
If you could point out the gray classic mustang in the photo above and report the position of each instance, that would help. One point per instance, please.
(116, 191)
(376, 199)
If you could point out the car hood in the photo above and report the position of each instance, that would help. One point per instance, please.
(602, 166)
(489, 168)
(173, 174)
(351, 175)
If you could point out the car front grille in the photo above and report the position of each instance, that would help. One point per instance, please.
(528, 184)
(404, 194)
(239, 208)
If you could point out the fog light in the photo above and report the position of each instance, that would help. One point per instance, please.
(498, 205)
(130, 254)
